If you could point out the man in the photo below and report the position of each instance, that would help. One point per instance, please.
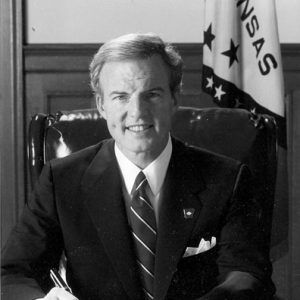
(141, 216)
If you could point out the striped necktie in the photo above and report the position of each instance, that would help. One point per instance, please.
(143, 227)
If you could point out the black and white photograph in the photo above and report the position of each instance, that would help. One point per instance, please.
(150, 149)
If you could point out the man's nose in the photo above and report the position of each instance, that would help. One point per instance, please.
(137, 106)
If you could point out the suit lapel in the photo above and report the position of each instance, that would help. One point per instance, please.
(102, 193)
(181, 188)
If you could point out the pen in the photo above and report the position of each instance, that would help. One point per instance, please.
(58, 281)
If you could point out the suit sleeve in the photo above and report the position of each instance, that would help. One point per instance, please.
(34, 246)
(242, 245)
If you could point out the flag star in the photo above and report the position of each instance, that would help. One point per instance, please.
(210, 82)
(208, 37)
(231, 53)
(219, 92)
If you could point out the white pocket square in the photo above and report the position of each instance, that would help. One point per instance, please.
(203, 246)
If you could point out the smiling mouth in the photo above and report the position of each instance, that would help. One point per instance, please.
(138, 128)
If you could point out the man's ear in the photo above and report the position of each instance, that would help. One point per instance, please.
(175, 97)
(100, 107)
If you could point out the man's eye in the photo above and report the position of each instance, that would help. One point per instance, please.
(153, 95)
(120, 98)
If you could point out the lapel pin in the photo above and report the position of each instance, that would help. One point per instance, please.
(188, 213)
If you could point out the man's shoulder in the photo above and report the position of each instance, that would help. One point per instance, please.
(204, 157)
(211, 167)
(81, 157)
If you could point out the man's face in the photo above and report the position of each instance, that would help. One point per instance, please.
(138, 105)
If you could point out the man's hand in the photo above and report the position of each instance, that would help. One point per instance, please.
(58, 294)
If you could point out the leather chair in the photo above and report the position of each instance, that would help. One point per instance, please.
(236, 133)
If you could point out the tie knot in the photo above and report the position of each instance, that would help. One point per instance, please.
(140, 182)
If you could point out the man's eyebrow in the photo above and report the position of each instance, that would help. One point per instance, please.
(117, 93)
(158, 88)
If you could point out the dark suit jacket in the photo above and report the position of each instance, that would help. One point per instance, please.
(77, 206)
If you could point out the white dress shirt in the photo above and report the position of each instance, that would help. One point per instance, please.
(155, 173)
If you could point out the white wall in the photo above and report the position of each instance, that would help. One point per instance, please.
(96, 21)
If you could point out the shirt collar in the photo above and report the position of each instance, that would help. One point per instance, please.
(155, 172)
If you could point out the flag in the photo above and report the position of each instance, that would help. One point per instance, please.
(242, 69)
(241, 56)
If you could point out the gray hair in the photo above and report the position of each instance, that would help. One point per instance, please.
(137, 46)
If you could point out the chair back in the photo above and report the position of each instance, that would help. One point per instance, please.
(236, 133)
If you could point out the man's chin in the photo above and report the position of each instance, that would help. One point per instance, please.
(140, 148)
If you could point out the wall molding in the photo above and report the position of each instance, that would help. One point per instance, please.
(38, 56)
(294, 193)
(12, 164)
(68, 49)
(51, 58)
(69, 61)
